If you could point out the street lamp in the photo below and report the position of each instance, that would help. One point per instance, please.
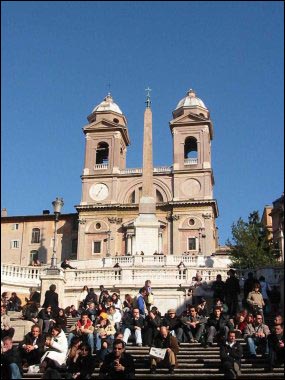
(57, 205)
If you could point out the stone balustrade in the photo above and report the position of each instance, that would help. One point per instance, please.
(100, 166)
(191, 161)
(163, 271)
(160, 169)
(19, 274)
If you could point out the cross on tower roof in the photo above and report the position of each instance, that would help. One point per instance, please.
(148, 102)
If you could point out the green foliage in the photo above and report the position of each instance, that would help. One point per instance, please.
(250, 245)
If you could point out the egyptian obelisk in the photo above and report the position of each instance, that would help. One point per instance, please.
(146, 224)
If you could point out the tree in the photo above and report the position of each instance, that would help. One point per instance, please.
(251, 246)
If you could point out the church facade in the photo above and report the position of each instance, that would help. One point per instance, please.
(184, 205)
(106, 223)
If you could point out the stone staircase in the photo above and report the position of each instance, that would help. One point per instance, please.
(194, 362)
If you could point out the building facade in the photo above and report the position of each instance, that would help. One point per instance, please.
(104, 224)
(185, 207)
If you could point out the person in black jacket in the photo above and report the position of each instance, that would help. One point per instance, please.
(231, 354)
(152, 324)
(133, 324)
(61, 320)
(82, 365)
(51, 298)
(118, 364)
(174, 324)
(66, 264)
(32, 347)
(47, 317)
(218, 288)
(217, 324)
(276, 346)
(11, 367)
(91, 297)
(232, 290)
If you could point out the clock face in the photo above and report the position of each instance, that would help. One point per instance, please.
(99, 191)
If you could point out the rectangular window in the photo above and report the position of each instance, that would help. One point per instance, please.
(96, 247)
(15, 226)
(192, 246)
(15, 244)
(35, 235)
(34, 256)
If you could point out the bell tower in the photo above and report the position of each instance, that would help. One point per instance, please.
(106, 144)
(192, 132)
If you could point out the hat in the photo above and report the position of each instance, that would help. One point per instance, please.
(103, 315)
(171, 311)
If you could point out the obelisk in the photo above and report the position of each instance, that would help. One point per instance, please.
(146, 224)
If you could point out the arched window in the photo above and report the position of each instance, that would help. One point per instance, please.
(102, 153)
(159, 197)
(36, 233)
(132, 198)
(190, 148)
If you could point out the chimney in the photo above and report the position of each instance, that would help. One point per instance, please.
(4, 213)
(46, 212)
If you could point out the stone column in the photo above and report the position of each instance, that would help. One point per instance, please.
(160, 241)
(129, 244)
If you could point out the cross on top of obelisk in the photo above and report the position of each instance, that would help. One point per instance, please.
(148, 101)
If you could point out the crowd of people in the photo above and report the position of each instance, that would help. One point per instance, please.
(105, 324)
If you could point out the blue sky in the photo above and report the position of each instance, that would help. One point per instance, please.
(59, 57)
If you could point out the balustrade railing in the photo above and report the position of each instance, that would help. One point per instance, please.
(132, 270)
(191, 161)
(17, 274)
(100, 166)
(159, 169)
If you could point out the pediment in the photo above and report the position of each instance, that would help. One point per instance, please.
(189, 117)
(103, 124)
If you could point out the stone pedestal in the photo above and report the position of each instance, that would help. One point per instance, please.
(147, 234)
(56, 277)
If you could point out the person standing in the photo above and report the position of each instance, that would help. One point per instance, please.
(255, 300)
(51, 298)
(232, 291)
(218, 288)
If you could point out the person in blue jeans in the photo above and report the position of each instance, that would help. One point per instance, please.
(11, 367)
(83, 328)
(256, 334)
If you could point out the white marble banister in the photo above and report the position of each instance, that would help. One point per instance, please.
(19, 274)
(132, 271)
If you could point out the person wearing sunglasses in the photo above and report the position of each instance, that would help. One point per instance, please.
(256, 334)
